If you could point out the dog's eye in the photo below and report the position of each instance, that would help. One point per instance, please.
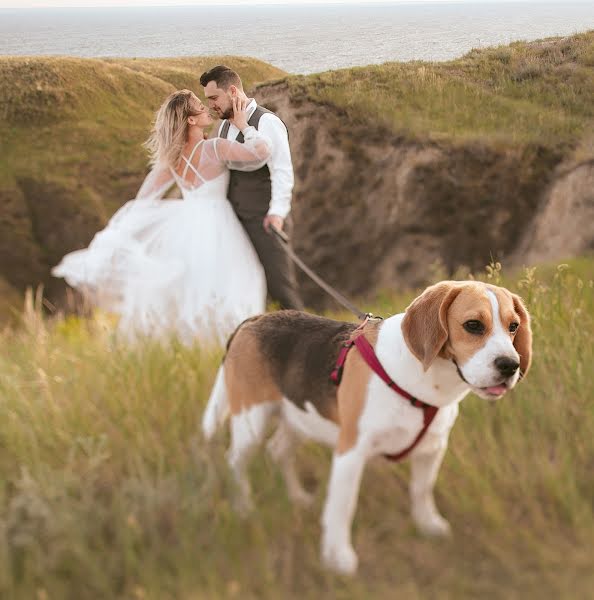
(474, 326)
(513, 327)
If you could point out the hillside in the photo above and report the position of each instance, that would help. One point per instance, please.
(401, 168)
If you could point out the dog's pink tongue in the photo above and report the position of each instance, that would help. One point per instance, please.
(496, 390)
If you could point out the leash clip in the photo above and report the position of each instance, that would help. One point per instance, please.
(371, 317)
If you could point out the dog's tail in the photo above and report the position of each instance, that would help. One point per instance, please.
(217, 409)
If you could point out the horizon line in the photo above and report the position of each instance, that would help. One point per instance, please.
(235, 3)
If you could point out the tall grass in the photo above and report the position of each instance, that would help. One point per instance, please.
(107, 489)
(536, 93)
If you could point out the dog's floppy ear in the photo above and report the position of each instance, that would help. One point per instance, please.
(523, 337)
(425, 324)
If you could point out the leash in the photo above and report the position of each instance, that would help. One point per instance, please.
(285, 245)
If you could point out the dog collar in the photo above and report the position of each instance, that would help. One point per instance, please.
(370, 357)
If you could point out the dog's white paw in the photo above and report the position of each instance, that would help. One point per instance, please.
(340, 558)
(434, 525)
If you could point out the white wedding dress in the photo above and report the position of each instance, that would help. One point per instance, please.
(183, 267)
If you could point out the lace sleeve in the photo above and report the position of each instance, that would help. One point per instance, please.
(249, 156)
(156, 184)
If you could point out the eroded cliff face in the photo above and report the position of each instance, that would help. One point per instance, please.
(563, 226)
(373, 211)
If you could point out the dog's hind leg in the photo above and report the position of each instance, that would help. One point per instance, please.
(247, 430)
(424, 470)
(281, 448)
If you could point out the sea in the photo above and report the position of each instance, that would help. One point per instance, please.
(300, 39)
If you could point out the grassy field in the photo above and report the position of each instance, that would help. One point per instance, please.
(107, 489)
(86, 118)
(537, 93)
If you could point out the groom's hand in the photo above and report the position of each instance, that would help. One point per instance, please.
(273, 221)
(239, 118)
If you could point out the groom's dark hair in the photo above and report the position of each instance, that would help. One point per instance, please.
(223, 76)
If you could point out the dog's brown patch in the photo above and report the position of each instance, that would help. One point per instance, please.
(292, 354)
(248, 377)
(424, 326)
(352, 394)
(301, 351)
(472, 303)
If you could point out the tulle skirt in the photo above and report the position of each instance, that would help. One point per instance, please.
(182, 268)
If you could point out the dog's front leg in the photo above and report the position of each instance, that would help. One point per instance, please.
(343, 490)
(424, 470)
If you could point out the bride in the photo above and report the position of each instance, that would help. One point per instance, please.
(179, 267)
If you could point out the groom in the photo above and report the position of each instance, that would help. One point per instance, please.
(261, 198)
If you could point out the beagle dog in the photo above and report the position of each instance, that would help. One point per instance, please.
(454, 338)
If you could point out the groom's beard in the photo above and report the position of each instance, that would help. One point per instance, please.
(228, 114)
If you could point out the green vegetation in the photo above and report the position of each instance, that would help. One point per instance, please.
(86, 118)
(537, 92)
(107, 489)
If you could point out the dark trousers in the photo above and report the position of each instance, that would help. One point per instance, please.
(278, 267)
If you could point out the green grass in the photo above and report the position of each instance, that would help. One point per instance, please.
(83, 120)
(107, 489)
(185, 72)
(525, 93)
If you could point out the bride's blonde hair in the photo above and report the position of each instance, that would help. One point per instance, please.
(170, 130)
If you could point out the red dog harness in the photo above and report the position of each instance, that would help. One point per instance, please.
(370, 357)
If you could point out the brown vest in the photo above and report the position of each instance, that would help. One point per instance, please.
(249, 192)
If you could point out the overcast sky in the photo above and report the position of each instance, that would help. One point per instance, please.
(112, 3)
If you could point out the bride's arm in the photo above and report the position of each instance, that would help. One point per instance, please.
(249, 156)
(156, 184)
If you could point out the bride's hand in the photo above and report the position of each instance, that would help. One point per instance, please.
(239, 118)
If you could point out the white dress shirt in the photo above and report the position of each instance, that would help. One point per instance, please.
(279, 164)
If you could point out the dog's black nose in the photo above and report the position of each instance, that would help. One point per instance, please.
(506, 366)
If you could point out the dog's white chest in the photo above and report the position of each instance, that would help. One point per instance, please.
(391, 424)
